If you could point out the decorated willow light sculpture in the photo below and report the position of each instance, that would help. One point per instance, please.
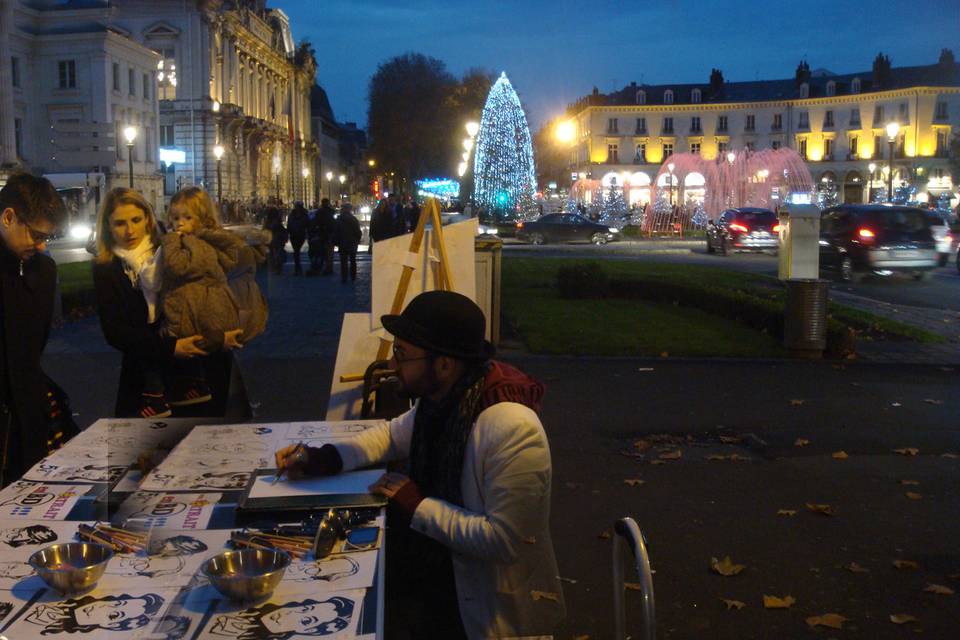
(504, 174)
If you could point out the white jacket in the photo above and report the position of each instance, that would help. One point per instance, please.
(500, 539)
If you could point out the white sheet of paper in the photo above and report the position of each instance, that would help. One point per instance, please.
(349, 483)
(333, 573)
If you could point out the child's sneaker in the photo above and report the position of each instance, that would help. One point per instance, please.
(154, 406)
(188, 391)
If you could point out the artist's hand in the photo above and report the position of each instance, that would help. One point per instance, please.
(231, 339)
(389, 484)
(293, 461)
(188, 347)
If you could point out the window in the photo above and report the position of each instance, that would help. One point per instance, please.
(668, 96)
(668, 125)
(167, 75)
(146, 86)
(641, 156)
(131, 82)
(804, 90)
(18, 136)
(855, 86)
(166, 135)
(804, 122)
(854, 146)
(722, 147)
(695, 124)
(695, 148)
(641, 97)
(751, 123)
(831, 88)
(777, 121)
(612, 125)
(116, 76)
(15, 71)
(904, 115)
(641, 125)
(802, 147)
(721, 123)
(900, 145)
(941, 113)
(695, 96)
(855, 117)
(878, 116)
(941, 143)
(667, 150)
(828, 119)
(775, 145)
(67, 74)
(879, 144)
(613, 153)
(828, 149)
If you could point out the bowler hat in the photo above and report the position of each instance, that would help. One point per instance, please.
(443, 322)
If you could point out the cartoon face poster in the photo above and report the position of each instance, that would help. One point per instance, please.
(27, 500)
(146, 510)
(172, 559)
(19, 539)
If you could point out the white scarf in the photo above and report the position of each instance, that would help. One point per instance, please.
(142, 266)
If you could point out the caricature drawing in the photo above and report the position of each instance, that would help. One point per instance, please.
(172, 628)
(32, 534)
(225, 480)
(15, 571)
(145, 566)
(30, 499)
(180, 545)
(89, 614)
(329, 570)
(5, 609)
(281, 622)
(96, 473)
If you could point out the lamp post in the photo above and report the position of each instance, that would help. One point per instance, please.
(873, 169)
(342, 178)
(218, 154)
(306, 174)
(276, 173)
(329, 177)
(893, 129)
(670, 169)
(130, 133)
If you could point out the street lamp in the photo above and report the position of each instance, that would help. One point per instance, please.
(893, 129)
(371, 163)
(329, 177)
(873, 170)
(130, 133)
(467, 144)
(342, 178)
(218, 154)
(565, 132)
(276, 173)
(731, 157)
(306, 173)
(472, 129)
(461, 169)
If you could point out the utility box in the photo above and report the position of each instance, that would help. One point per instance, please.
(487, 256)
(799, 243)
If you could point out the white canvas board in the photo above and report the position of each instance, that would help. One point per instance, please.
(389, 257)
(149, 509)
(26, 500)
(311, 432)
(21, 539)
(356, 351)
(349, 483)
(333, 573)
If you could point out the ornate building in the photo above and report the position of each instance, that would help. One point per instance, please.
(837, 123)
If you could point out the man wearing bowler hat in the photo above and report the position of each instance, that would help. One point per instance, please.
(473, 511)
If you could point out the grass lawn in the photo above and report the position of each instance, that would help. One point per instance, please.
(75, 276)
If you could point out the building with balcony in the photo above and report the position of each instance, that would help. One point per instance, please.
(837, 123)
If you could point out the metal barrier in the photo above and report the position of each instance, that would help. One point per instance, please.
(629, 549)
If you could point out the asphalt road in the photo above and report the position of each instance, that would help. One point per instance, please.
(941, 292)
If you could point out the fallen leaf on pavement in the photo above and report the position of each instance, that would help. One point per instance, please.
(642, 445)
(855, 568)
(905, 564)
(801, 442)
(730, 439)
(839, 455)
(949, 455)
(567, 580)
(726, 567)
(671, 455)
(664, 354)
(932, 401)
(530, 540)
(823, 509)
(786, 512)
(734, 604)
(832, 620)
(773, 602)
(909, 483)
(939, 588)
(544, 595)
(604, 535)
(901, 618)
(907, 451)
(634, 482)
(796, 403)
(895, 404)
(631, 454)
(632, 586)
(913, 495)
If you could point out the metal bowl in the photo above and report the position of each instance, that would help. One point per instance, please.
(71, 567)
(246, 574)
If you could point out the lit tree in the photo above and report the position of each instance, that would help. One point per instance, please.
(504, 174)
(614, 207)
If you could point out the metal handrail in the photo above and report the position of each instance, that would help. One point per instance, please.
(628, 538)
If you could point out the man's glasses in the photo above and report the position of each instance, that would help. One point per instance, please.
(398, 355)
(37, 236)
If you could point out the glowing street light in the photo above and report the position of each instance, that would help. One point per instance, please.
(218, 154)
(329, 177)
(130, 133)
(371, 163)
(465, 155)
(731, 157)
(472, 129)
(468, 144)
(893, 129)
(461, 169)
(276, 172)
(872, 167)
(565, 132)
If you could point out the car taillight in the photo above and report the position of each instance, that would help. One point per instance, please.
(776, 228)
(866, 235)
(519, 225)
(739, 227)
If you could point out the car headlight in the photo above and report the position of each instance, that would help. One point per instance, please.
(613, 230)
(79, 232)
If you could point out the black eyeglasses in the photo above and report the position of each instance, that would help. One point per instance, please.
(398, 356)
(37, 236)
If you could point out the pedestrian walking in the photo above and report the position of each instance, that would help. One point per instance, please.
(30, 212)
(348, 239)
(278, 239)
(320, 234)
(297, 223)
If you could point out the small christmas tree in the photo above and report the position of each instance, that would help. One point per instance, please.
(827, 194)
(614, 209)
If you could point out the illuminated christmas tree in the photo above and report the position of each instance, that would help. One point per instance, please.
(504, 175)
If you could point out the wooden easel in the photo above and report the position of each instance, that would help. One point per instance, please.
(429, 213)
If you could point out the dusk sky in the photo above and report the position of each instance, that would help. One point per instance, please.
(555, 51)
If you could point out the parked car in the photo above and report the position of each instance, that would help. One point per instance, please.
(857, 240)
(743, 229)
(942, 236)
(565, 227)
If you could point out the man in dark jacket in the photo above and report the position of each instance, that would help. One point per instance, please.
(297, 223)
(30, 211)
(320, 233)
(349, 234)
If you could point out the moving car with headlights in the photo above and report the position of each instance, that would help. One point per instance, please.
(565, 227)
(743, 229)
(860, 239)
